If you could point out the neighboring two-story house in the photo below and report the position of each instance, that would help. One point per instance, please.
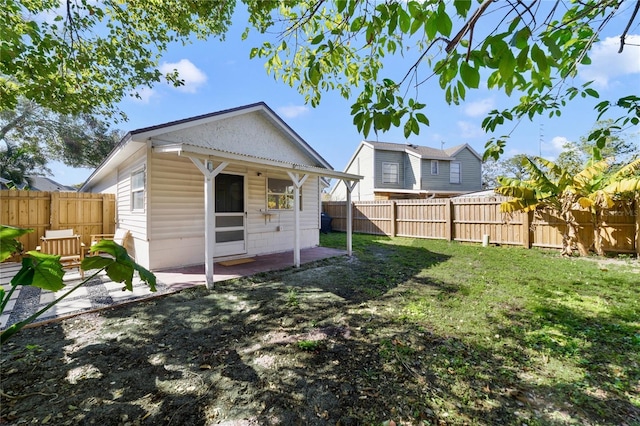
(400, 171)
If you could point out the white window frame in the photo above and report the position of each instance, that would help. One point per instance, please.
(459, 174)
(391, 174)
(286, 194)
(435, 167)
(138, 189)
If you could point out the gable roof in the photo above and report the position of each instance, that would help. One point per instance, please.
(135, 139)
(424, 152)
(42, 183)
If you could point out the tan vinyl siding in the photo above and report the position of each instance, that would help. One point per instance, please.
(263, 234)
(177, 213)
(134, 221)
(177, 198)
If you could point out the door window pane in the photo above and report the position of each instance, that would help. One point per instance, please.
(228, 236)
(229, 193)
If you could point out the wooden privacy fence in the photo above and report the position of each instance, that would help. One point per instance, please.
(85, 213)
(471, 219)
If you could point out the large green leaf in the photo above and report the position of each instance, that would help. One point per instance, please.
(470, 75)
(623, 186)
(40, 270)
(516, 205)
(586, 177)
(118, 265)
(9, 243)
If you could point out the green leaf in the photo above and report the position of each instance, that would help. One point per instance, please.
(317, 39)
(507, 66)
(422, 118)
(462, 7)
(9, 243)
(40, 270)
(470, 75)
(407, 128)
(591, 92)
(405, 21)
(121, 267)
(539, 58)
(444, 24)
(521, 38)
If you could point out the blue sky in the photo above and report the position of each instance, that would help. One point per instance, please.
(220, 75)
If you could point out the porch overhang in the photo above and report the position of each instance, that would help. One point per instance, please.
(204, 157)
(188, 150)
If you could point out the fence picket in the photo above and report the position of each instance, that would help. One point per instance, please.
(86, 213)
(468, 219)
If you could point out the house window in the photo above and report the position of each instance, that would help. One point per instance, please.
(454, 172)
(390, 173)
(435, 167)
(137, 190)
(280, 194)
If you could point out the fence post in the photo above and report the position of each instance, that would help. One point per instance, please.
(448, 215)
(526, 229)
(393, 218)
(54, 220)
(106, 220)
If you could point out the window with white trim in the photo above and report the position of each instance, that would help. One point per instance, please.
(455, 172)
(435, 167)
(280, 194)
(390, 173)
(137, 190)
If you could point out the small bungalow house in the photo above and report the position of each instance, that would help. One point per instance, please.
(400, 171)
(230, 184)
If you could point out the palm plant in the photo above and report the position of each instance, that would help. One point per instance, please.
(594, 188)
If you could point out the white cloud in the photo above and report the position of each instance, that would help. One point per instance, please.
(607, 63)
(554, 147)
(479, 108)
(468, 130)
(191, 75)
(292, 111)
(144, 94)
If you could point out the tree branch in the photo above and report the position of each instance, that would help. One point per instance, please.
(626, 30)
(468, 25)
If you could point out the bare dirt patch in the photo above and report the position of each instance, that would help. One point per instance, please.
(297, 347)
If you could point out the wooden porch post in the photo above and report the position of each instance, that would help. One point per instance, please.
(350, 186)
(209, 227)
(206, 167)
(297, 184)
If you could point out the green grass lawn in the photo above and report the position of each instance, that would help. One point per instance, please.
(559, 335)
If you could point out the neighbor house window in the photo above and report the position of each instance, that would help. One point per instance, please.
(137, 190)
(390, 173)
(280, 194)
(435, 169)
(454, 172)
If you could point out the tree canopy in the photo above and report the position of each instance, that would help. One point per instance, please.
(530, 49)
(85, 56)
(31, 136)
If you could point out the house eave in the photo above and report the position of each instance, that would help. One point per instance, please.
(188, 150)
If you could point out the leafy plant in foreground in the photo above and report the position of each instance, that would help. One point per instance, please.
(45, 271)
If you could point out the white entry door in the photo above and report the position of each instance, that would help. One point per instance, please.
(230, 215)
